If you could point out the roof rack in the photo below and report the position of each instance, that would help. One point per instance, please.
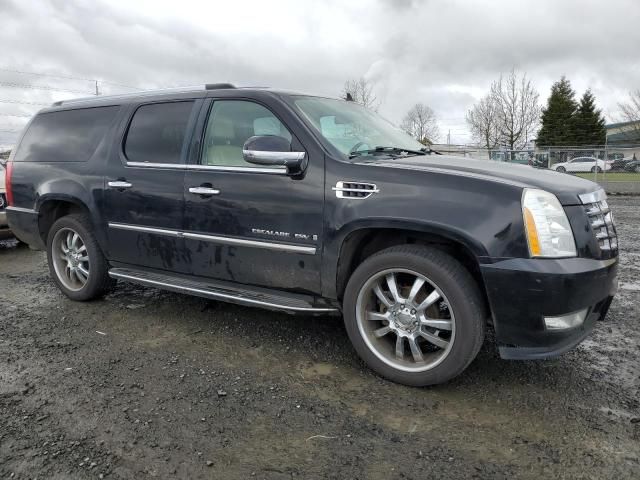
(208, 86)
(218, 86)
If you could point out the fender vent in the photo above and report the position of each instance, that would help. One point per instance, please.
(355, 190)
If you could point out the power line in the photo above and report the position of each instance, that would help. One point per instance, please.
(42, 87)
(15, 115)
(66, 77)
(25, 103)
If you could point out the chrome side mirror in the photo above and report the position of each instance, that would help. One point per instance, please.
(273, 151)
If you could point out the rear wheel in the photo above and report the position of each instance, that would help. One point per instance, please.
(596, 169)
(561, 170)
(76, 262)
(414, 315)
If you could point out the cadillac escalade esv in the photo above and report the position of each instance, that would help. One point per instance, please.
(314, 205)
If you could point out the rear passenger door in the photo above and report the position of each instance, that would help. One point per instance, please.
(144, 201)
(257, 226)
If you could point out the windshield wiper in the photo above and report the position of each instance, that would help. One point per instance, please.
(395, 151)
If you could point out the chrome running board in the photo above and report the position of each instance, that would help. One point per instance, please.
(248, 296)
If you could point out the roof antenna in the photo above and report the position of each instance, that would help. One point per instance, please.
(349, 97)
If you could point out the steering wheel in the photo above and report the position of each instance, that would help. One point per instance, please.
(356, 147)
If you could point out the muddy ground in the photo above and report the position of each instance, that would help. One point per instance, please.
(146, 383)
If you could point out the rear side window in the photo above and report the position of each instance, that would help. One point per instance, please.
(65, 136)
(157, 132)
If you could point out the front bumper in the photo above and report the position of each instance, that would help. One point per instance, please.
(523, 291)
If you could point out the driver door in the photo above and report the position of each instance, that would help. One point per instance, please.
(256, 225)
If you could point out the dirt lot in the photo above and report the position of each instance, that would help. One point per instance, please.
(152, 384)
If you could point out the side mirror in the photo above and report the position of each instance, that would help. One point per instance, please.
(3, 162)
(272, 150)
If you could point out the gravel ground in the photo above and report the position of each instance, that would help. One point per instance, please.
(146, 383)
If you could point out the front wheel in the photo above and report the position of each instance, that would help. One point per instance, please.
(561, 170)
(414, 315)
(596, 169)
(75, 259)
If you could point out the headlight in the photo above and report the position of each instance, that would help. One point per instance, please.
(548, 231)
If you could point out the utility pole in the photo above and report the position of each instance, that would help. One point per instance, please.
(449, 137)
(97, 90)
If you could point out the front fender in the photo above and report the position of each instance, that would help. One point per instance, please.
(334, 245)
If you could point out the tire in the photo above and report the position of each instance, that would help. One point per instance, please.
(457, 345)
(97, 281)
(561, 170)
(596, 169)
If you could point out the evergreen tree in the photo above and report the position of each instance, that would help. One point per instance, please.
(588, 122)
(557, 118)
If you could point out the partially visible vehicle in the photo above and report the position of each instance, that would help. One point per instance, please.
(5, 231)
(633, 166)
(620, 164)
(582, 164)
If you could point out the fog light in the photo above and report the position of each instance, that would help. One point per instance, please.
(566, 321)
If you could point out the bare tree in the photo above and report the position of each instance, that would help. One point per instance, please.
(483, 121)
(631, 113)
(361, 91)
(517, 109)
(421, 122)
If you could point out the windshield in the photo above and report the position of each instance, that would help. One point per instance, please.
(352, 128)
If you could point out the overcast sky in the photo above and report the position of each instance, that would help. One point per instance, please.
(442, 53)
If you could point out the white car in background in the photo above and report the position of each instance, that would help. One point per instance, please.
(582, 164)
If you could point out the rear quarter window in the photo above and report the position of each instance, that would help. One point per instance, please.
(65, 136)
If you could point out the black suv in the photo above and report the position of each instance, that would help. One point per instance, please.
(315, 205)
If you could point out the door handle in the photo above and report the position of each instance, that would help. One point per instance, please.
(119, 184)
(204, 191)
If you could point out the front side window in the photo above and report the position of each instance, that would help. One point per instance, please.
(352, 128)
(230, 124)
(157, 132)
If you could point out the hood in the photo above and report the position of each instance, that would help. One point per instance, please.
(564, 186)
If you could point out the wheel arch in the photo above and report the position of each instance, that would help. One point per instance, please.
(364, 240)
(52, 206)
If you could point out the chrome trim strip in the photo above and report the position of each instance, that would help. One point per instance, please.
(166, 166)
(241, 242)
(251, 243)
(219, 295)
(215, 168)
(279, 170)
(22, 210)
(597, 196)
(138, 228)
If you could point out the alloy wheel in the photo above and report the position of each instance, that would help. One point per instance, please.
(405, 320)
(70, 259)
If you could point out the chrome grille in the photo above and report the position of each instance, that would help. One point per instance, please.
(603, 226)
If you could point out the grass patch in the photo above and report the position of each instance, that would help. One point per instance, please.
(612, 177)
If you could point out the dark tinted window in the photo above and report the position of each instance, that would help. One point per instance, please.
(65, 136)
(157, 132)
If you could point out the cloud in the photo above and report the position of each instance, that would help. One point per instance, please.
(444, 54)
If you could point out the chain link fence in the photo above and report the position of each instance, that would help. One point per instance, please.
(616, 168)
